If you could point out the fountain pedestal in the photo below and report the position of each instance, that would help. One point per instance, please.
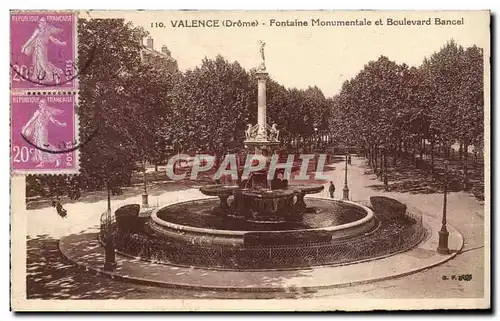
(268, 206)
(223, 202)
(300, 204)
(261, 105)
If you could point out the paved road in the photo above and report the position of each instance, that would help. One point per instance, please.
(50, 277)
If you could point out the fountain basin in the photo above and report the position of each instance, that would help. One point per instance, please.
(261, 204)
(346, 219)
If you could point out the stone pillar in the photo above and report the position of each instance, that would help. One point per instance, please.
(261, 106)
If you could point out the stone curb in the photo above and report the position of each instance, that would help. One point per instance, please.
(303, 289)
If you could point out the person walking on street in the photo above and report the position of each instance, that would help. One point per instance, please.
(331, 189)
(60, 210)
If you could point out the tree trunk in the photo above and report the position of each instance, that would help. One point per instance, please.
(422, 150)
(174, 169)
(414, 154)
(465, 166)
(156, 167)
(217, 159)
(381, 165)
(461, 151)
(372, 154)
(368, 153)
(386, 180)
(394, 155)
(432, 157)
(400, 151)
(375, 160)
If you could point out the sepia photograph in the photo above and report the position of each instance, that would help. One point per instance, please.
(303, 160)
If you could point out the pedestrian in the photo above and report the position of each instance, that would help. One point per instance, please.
(60, 210)
(332, 189)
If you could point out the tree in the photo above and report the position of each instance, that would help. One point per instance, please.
(148, 96)
(396, 106)
(445, 78)
(470, 124)
(113, 48)
(213, 104)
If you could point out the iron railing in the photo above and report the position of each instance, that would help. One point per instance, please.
(391, 236)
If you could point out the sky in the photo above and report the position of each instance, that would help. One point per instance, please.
(308, 56)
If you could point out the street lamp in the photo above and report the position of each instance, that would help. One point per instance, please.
(381, 162)
(384, 156)
(145, 192)
(443, 233)
(316, 141)
(346, 188)
(109, 245)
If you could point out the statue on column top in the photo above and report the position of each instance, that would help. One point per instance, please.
(263, 63)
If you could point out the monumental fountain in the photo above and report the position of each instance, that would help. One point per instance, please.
(260, 198)
(260, 223)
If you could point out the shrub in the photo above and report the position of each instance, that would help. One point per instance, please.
(127, 218)
(388, 207)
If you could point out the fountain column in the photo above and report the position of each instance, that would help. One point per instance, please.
(261, 105)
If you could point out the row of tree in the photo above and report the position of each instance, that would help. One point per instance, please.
(212, 104)
(145, 110)
(393, 109)
(136, 108)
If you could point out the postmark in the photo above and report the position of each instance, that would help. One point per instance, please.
(44, 132)
(43, 50)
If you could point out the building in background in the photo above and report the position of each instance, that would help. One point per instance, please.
(151, 55)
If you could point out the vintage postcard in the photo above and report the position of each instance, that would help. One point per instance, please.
(250, 160)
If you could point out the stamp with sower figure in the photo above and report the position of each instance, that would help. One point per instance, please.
(43, 50)
(44, 133)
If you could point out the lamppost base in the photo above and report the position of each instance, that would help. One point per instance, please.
(109, 266)
(145, 199)
(345, 194)
(443, 242)
(109, 255)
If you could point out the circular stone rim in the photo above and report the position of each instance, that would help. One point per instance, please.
(312, 189)
(154, 217)
(218, 190)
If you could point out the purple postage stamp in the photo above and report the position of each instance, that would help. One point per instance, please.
(43, 50)
(44, 133)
